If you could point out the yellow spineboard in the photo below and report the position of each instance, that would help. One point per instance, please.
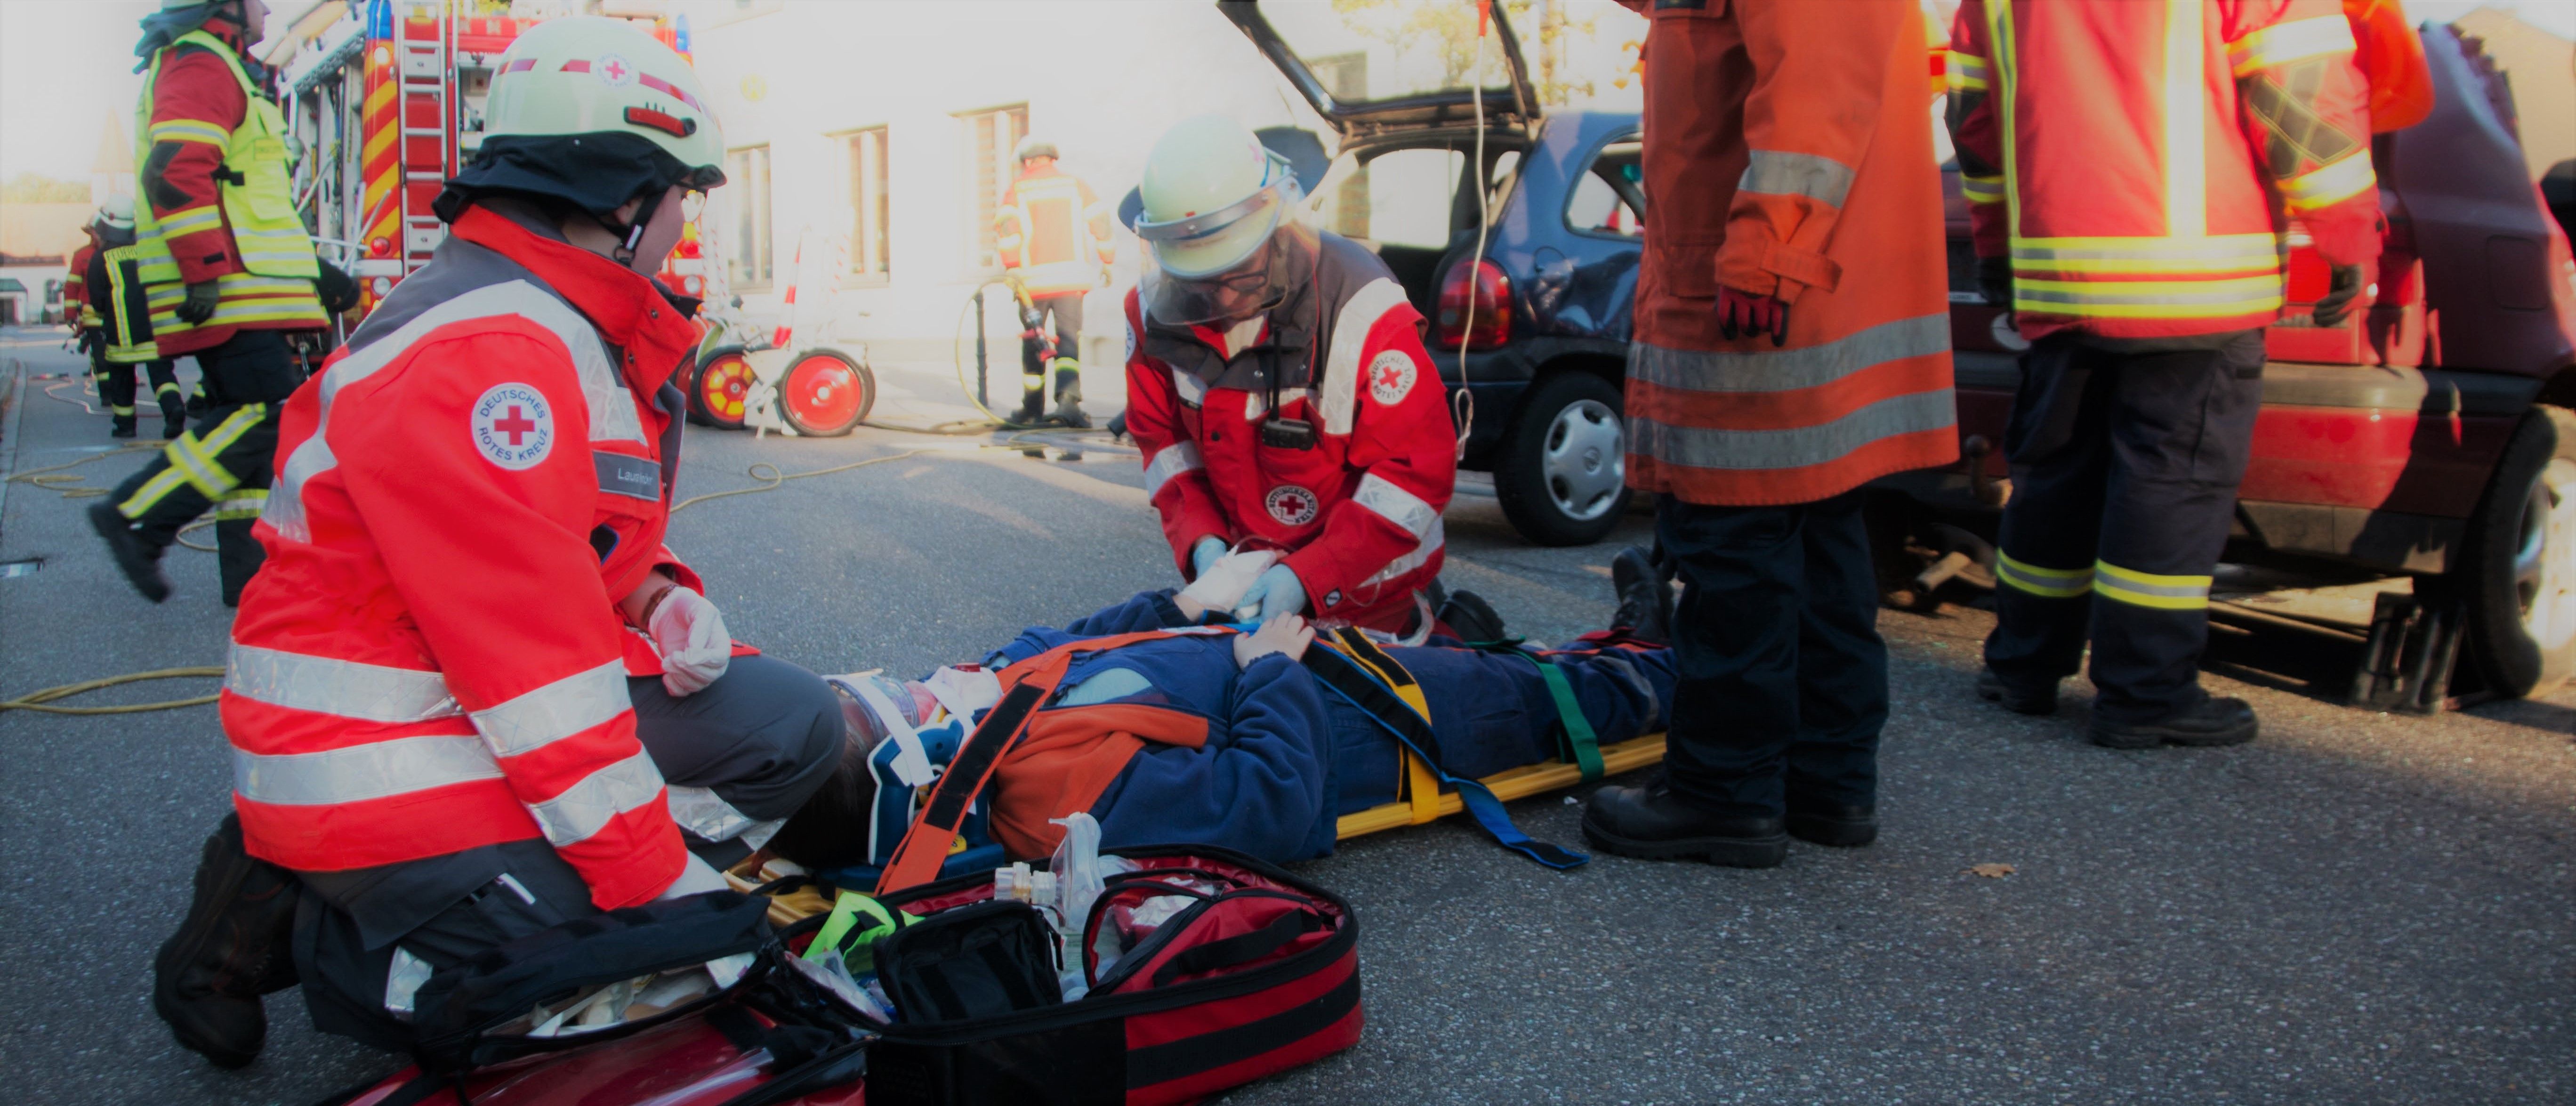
(1514, 783)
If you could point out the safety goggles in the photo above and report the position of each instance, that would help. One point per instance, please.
(1257, 284)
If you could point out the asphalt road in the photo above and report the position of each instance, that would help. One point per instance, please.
(2357, 908)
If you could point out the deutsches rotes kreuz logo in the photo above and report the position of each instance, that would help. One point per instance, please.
(513, 426)
(613, 71)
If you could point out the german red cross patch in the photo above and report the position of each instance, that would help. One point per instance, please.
(1390, 377)
(1290, 504)
(513, 427)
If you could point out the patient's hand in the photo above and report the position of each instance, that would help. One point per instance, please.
(1287, 635)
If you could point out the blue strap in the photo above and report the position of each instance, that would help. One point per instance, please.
(1479, 800)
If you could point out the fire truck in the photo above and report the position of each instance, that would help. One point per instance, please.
(386, 103)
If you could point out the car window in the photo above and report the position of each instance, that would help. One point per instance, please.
(1609, 196)
(1409, 197)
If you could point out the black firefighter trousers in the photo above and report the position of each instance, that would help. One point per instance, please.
(1781, 686)
(222, 462)
(2124, 470)
(116, 388)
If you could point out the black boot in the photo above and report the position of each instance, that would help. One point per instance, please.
(171, 428)
(2208, 722)
(1645, 597)
(120, 426)
(1993, 689)
(135, 557)
(1652, 823)
(1470, 617)
(1837, 824)
(232, 948)
(1032, 408)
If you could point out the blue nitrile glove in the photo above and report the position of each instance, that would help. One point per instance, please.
(1204, 554)
(1277, 592)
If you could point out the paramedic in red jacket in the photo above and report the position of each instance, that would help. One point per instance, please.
(1280, 390)
(458, 690)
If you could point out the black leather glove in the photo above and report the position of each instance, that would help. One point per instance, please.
(200, 304)
(1994, 280)
(334, 288)
(2343, 285)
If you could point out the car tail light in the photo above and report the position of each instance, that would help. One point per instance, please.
(1493, 307)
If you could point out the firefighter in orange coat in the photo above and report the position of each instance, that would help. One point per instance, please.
(1053, 235)
(1792, 342)
(2132, 170)
(473, 695)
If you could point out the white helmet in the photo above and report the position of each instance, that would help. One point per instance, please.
(1033, 146)
(591, 110)
(117, 214)
(1212, 197)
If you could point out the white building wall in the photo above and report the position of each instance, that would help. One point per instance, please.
(1102, 80)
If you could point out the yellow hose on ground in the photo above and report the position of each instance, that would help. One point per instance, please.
(37, 700)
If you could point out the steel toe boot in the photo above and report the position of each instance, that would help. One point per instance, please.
(2208, 722)
(1653, 823)
(134, 556)
(232, 948)
(1645, 597)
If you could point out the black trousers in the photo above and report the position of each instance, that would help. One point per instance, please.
(1782, 679)
(222, 463)
(1065, 314)
(2124, 469)
(765, 735)
(116, 388)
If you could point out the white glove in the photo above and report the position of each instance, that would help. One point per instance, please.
(691, 635)
(697, 877)
(1221, 584)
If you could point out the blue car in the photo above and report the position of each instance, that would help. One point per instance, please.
(1527, 267)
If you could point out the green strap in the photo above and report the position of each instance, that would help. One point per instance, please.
(1578, 729)
(846, 914)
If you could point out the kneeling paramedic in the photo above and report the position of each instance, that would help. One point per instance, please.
(472, 695)
(228, 272)
(1255, 739)
(1279, 389)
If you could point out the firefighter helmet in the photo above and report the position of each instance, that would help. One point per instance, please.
(1033, 146)
(591, 110)
(117, 214)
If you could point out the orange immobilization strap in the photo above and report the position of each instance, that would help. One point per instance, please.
(1026, 687)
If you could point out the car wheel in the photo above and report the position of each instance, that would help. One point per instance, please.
(2519, 562)
(825, 393)
(1562, 472)
(723, 381)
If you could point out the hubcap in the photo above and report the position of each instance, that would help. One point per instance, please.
(824, 391)
(1585, 461)
(2544, 557)
(724, 386)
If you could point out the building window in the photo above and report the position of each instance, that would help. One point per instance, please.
(991, 137)
(870, 213)
(748, 261)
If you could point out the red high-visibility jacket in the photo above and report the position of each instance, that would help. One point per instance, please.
(1054, 232)
(2391, 56)
(1788, 154)
(431, 660)
(2136, 160)
(76, 309)
(1360, 512)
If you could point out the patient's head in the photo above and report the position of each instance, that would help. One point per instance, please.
(831, 829)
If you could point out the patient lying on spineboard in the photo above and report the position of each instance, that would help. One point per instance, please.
(1216, 736)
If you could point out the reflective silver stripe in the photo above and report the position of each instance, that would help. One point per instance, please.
(2254, 290)
(1175, 459)
(358, 773)
(1395, 504)
(621, 474)
(1789, 369)
(349, 689)
(612, 414)
(586, 807)
(1193, 390)
(1783, 173)
(699, 811)
(1431, 543)
(1702, 447)
(556, 711)
(1340, 395)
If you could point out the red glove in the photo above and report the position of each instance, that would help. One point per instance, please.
(1742, 314)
